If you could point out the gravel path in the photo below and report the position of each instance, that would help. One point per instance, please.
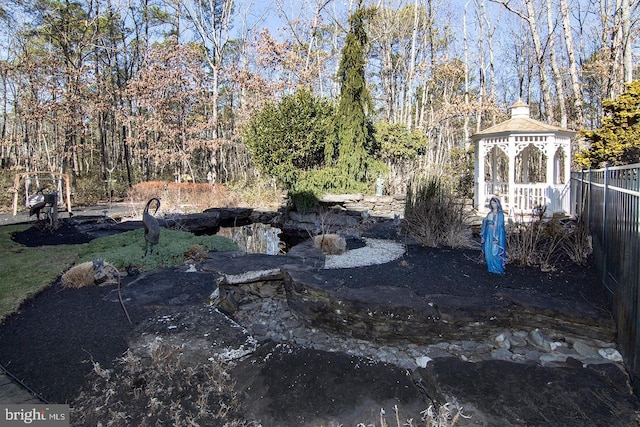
(376, 251)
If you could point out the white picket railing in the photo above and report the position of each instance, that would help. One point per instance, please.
(530, 199)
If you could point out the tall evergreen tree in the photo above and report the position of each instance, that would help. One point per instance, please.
(355, 104)
(617, 141)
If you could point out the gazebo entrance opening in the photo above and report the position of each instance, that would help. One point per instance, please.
(497, 173)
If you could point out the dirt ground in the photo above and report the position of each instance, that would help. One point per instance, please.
(52, 343)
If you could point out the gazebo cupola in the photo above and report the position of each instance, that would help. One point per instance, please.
(524, 162)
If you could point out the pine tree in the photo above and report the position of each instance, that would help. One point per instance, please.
(355, 104)
(617, 141)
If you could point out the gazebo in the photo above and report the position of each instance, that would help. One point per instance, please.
(524, 162)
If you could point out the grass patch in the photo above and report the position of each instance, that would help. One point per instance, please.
(125, 250)
(26, 271)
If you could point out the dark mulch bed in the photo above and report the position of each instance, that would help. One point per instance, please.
(51, 342)
(65, 234)
(459, 272)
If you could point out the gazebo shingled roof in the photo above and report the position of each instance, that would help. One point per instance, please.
(521, 124)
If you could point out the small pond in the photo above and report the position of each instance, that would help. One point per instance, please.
(256, 238)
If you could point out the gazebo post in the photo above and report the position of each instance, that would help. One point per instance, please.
(494, 175)
(567, 175)
(480, 172)
(511, 202)
(551, 154)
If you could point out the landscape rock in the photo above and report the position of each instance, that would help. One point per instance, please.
(396, 313)
(584, 350)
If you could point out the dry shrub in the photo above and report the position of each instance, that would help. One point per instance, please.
(96, 272)
(534, 243)
(578, 245)
(158, 390)
(330, 244)
(196, 253)
(185, 196)
(195, 197)
(262, 193)
(434, 217)
(446, 415)
(544, 243)
(147, 190)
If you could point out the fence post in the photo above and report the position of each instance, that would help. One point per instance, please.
(583, 196)
(604, 228)
(581, 201)
(589, 206)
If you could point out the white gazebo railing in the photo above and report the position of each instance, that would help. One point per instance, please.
(496, 189)
(529, 199)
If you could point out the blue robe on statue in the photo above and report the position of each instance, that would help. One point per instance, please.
(494, 241)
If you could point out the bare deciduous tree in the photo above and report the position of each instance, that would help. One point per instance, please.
(576, 96)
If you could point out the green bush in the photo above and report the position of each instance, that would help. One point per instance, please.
(296, 135)
(295, 142)
(617, 140)
(398, 142)
(303, 201)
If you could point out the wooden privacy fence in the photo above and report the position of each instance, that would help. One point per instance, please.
(609, 200)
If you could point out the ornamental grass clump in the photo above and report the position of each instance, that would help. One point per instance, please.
(434, 217)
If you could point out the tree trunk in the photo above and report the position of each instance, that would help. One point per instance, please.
(613, 38)
(412, 66)
(540, 61)
(573, 66)
(530, 18)
(127, 156)
(554, 66)
(466, 71)
(212, 23)
(627, 42)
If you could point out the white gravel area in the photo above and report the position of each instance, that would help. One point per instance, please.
(376, 251)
